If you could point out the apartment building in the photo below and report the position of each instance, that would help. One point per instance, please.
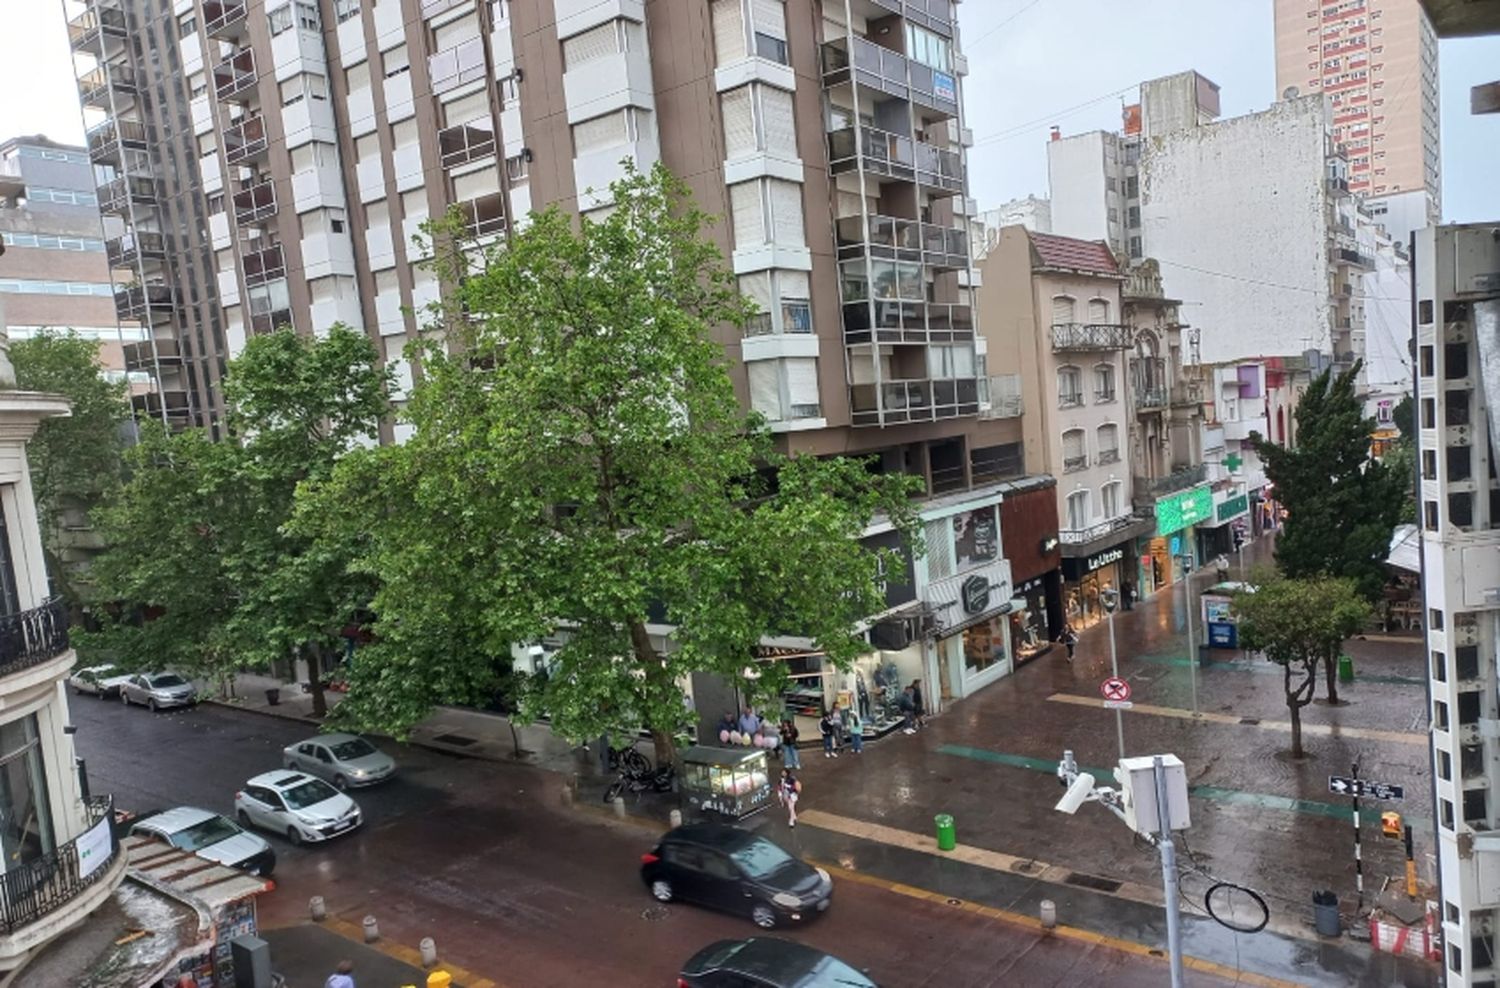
(1377, 62)
(311, 141)
(55, 271)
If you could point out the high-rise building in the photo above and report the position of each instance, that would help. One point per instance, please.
(282, 155)
(1377, 61)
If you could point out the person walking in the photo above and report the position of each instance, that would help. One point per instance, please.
(918, 710)
(907, 706)
(856, 728)
(790, 756)
(830, 735)
(1222, 565)
(787, 792)
(342, 977)
(1069, 638)
(1127, 595)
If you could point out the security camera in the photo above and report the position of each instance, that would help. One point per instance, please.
(1080, 792)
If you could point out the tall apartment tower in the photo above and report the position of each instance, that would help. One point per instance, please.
(300, 145)
(1377, 60)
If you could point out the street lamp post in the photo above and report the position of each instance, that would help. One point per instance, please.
(1111, 599)
(1186, 559)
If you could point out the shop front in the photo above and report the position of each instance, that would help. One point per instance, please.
(973, 639)
(1028, 527)
(1086, 577)
(1231, 512)
(1037, 619)
(1177, 517)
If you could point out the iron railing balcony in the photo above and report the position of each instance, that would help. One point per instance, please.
(118, 194)
(456, 66)
(1177, 480)
(875, 151)
(31, 890)
(146, 354)
(108, 141)
(1150, 399)
(33, 637)
(1075, 336)
(484, 216)
(262, 266)
(87, 31)
(105, 85)
(431, 8)
(913, 401)
(225, 19)
(235, 77)
(255, 203)
(1072, 464)
(874, 66)
(1070, 399)
(796, 319)
(246, 140)
(139, 301)
(1083, 536)
(466, 142)
(131, 247)
(892, 238)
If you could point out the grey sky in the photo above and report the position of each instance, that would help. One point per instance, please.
(1032, 63)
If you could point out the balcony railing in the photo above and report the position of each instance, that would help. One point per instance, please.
(145, 354)
(876, 67)
(796, 318)
(463, 143)
(913, 401)
(1150, 399)
(1083, 536)
(29, 890)
(1070, 399)
(1178, 480)
(130, 247)
(117, 194)
(87, 30)
(172, 404)
(1002, 392)
(254, 203)
(33, 637)
(1109, 456)
(235, 75)
(456, 66)
(1074, 463)
(107, 140)
(96, 86)
(484, 216)
(891, 238)
(1104, 394)
(224, 18)
(1090, 336)
(904, 321)
(261, 266)
(881, 152)
(135, 301)
(246, 140)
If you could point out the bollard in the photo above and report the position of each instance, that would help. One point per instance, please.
(675, 818)
(428, 947)
(439, 979)
(372, 930)
(317, 908)
(567, 795)
(947, 836)
(619, 805)
(1049, 914)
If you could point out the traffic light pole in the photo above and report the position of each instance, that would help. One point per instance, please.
(1187, 593)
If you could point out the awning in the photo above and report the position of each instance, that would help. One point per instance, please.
(1406, 549)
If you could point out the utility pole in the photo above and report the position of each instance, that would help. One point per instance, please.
(1168, 872)
(1186, 560)
(1111, 598)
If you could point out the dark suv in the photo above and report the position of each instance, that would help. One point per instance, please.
(766, 962)
(736, 871)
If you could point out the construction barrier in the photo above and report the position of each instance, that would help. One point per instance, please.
(1412, 941)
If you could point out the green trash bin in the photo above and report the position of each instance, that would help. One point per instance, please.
(947, 838)
(1346, 669)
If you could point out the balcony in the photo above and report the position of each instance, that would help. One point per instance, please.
(1072, 464)
(484, 216)
(906, 321)
(108, 141)
(1003, 394)
(171, 404)
(125, 250)
(103, 86)
(148, 354)
(1070, 399)
(117, 195)
(235, 76)
(875, 67)
(1108, 456)
(890, 238)
(140, 301)
(1337, 186)
(255, 203)
(1354, 257)
(225, 19)
(456, 66)
(246, 140)
(261, 266)
(883, 153)
(463, 143)
(1115, 530)
(32, 638)
(1151, 488)
(1104, 395)
(1151, 399)
(87, 31)
(913, 401)
(32, 890)
(1078, 336)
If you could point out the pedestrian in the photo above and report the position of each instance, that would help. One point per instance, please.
(918, 711)
(907, 707)
(342, 977)
(856, 731)
(1127, 594)
(727, 727)
(1069, 638)
(1222, 565)
(830, 735)
(839, 718)
(790, 756)
(787, 792)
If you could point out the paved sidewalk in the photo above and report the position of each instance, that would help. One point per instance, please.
(306, 955)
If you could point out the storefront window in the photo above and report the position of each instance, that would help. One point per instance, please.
(25, 816)
(985, 645)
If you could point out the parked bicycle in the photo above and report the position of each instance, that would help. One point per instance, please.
(638, 780)
(627, 759)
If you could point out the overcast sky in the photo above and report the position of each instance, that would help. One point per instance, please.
(1033, 63)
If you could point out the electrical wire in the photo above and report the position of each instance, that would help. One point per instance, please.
(991, 31)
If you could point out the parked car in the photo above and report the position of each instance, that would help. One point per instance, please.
(344, 759)
(731, 869)
(211, 835)
(102, 681)
(297, 805)
(767, 962)
(158, 691)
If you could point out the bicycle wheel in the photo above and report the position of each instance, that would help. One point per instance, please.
(634, 763)
(615, 790)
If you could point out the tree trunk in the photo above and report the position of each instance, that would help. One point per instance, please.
(1295, 709)
(1331, 674)
(662, 737)
(315, 683)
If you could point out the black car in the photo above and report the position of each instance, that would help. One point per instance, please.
(737, 871)
(766, 962)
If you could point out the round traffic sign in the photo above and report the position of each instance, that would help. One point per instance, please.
(1115, 688)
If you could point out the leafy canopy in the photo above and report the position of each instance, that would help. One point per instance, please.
(582, 466)
(1299, 621)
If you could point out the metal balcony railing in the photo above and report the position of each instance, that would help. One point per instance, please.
(463, 143)
(1150, 399)
(1090, 336)
(33, 637)
(1082, 536)
(136, 301)
(1073, 463)
(130, 247)
(261, 266)
(235, 76)
(100, 85)
(456, 66)
(255, 202)
(431, 8)
(224, 18)
(29, 890)
(1178, 480)
(172, 403)
(144, 354)
(1070, 399)
(118, 193)
(1109, 456)
(108, 140)
(1104, 394)
(913, 401)
(246, 140)
(88, 29)
(485, 215)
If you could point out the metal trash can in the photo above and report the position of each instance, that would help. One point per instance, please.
(1346, 669)
(947, 837)
(273, 697)
(1326, 914)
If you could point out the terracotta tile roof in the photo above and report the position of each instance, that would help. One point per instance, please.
(1051, 251)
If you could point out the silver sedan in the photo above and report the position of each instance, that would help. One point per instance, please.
(344, 759)
(158, 691)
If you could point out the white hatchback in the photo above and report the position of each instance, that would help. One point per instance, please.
(303, 808)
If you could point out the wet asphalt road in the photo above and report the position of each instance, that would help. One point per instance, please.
(513, 887)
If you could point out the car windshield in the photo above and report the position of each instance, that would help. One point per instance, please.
(312, 791)
(170, 679)
(761, 858)
(199, 835)
(834, 973)
(353, 748)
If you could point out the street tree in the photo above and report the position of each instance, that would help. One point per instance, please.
(75, 460)
(581, 468)
(1341, 503)
(1299, 624)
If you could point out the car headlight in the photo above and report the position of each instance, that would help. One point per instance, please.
(827, 878)
(786, 899)
(358, 773)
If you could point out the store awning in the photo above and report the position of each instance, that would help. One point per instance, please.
(1406, 549)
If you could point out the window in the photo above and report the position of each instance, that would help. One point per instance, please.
(46, 241)
(187, 24)
(1104, 383)
(1069, 387)
(768, 22)
(280, 19)
(729, 30)
(1132, 187)
(612, 130)
(1111, 495)
(1075, 454)
(599, 42)
(1108, 438)
(932, 50)
(345, 9)
(396, 61)
(26, 286)
(1133, 217)
(517, 167)
(769, 211)
(62, 197)
(945, 362)
(1135, 248)
(1064, 310)
(1078, 510)
(1098, 310)
(758, 118)
(307, 16)
(25, 810)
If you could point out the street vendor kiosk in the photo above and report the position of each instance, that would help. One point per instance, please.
(731, 783)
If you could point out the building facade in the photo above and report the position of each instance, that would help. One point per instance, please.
(1377, 62)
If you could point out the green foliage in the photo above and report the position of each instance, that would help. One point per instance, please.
(1342, 504)
(581, 466)
(1404, 417)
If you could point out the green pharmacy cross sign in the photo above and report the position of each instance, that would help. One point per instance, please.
(1233, 462)
(1177, 511)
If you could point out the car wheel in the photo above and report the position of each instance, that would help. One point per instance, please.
(125, 698)
(151, 704)
(340, 783)
(294, 835)
(661, 890)
(763, 915)
(243, 818)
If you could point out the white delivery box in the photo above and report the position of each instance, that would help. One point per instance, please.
(1137, 779)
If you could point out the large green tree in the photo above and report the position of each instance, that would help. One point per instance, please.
(75, 461)
(1341, 503)
(581, 467)
(205, 572)
(1300, 624)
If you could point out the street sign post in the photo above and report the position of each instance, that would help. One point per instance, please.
(1118, 704)
(1345, 786)
(1114, 688)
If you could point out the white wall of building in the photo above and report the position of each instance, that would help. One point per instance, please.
(1076, 175)
(1402, 213)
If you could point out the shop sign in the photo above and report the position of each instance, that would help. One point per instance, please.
(94, 846)
(1035, 583)
(1233, 507)
(974, 594)
(1049, 544)
(1178, 511)
(1103, 559)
